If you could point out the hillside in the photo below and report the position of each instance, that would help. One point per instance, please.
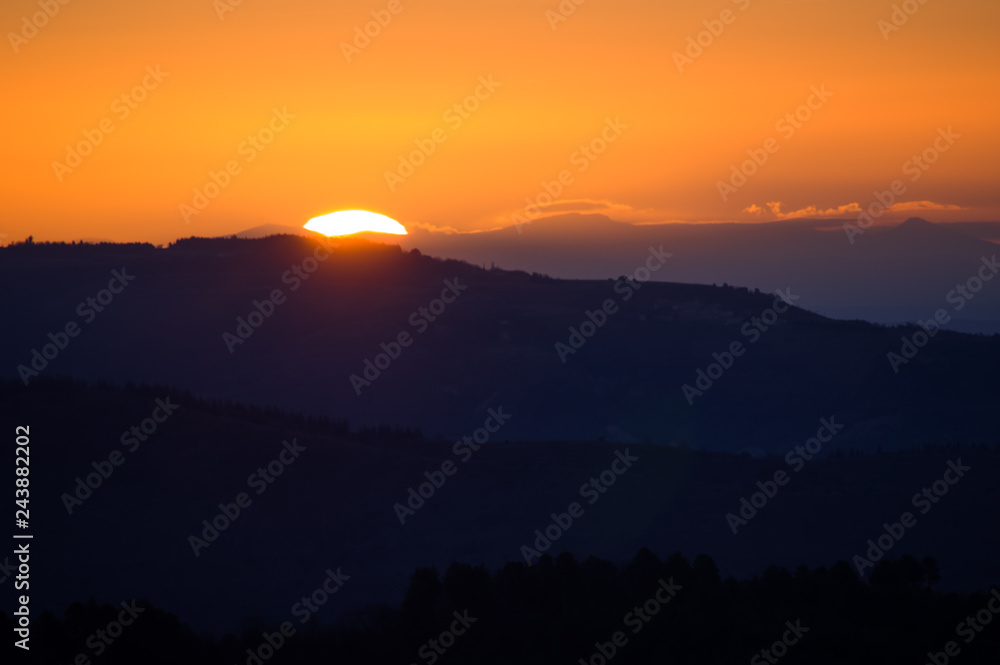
(506, 339)
(334, 505)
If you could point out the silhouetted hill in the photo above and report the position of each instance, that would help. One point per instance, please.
(886, 275)
(498, 343)
(648, 610)
(266, 230)
(334, 506)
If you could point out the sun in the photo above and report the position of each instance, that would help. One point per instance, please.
(346, 222)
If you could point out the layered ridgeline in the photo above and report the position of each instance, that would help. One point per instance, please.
(395, 338)
(843, 268)
(223, 513)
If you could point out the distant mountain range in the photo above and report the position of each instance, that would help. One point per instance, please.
(386, 337)
(887, 275)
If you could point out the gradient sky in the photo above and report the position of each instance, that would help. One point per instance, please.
(352, 120)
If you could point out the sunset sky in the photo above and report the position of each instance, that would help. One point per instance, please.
(340, 118)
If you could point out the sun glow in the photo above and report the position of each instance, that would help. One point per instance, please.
(347, 222)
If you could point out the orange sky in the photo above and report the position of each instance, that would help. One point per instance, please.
(557, 88)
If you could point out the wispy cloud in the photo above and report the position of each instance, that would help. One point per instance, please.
(773, 209)
(910, 206)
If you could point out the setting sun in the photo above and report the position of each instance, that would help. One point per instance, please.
(347, 222)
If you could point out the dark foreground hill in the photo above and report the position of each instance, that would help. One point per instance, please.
(565, 610)
(120, 514)
(382, 336)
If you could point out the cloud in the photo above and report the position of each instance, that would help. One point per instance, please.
(923, 205)
(773, 209)
(621, 212)
(577, 206)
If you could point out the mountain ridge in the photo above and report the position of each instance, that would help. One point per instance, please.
(507, 339)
